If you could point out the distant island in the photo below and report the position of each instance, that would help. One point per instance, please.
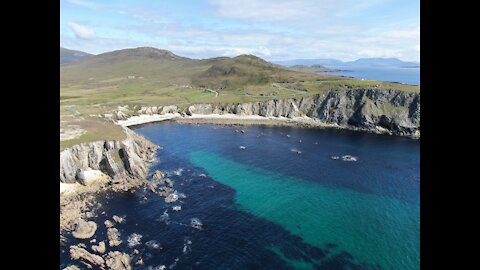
(365, 62)
(312, 68)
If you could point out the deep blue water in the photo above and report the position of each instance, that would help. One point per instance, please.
(389, 74)
(267, 207)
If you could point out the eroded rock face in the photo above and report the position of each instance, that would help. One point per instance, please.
(85, 257)
(385, 111)
(84, 229)
(121, 160)
(118, 261)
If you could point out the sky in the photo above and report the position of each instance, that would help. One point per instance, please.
(271, 29)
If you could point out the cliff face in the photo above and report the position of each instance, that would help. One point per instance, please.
(392, 112)
(121, 160)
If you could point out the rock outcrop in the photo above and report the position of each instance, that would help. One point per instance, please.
(84, 229)
(85, 257)
(120, 160)
(118, 261)
(381, 111)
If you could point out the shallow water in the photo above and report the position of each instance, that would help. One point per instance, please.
(266, 207)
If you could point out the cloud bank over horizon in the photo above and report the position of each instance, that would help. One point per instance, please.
(272, 29)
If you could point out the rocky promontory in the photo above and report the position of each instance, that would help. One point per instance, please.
(119, 160)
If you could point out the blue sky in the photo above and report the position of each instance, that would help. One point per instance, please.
(271, 29)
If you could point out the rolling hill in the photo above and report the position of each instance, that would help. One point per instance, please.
(69, 56)
(152, 76)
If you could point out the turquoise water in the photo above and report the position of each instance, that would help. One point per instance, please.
(267, 207)
(373, 228)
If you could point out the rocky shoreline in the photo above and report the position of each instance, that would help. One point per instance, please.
(92, 169)
(389, 112)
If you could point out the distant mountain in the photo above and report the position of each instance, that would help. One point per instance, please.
(372, 62)
(391, 62)
(68, 56)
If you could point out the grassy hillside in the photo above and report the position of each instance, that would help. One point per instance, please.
(68, 56)
(149, 76)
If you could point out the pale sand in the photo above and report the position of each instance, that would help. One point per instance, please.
(225, 119)
(146, 118)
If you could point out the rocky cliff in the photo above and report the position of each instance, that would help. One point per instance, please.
(121, 160)
(391, 112)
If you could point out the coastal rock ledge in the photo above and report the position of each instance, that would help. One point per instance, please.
(391, 112)
(122, 161)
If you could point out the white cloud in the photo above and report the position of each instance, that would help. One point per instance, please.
(83, 3)
(412, 33)
(278, 10)
(81, 31)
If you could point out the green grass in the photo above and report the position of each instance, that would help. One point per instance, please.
(100, 84)
(97, 130)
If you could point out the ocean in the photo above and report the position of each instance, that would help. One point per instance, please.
(273, 198)
(389, 74)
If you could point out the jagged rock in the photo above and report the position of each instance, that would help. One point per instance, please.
(81, 254)
(158, 175)
(168, 182)
(113, 238)
(139, 261)
(108, 224)
(118, 261)
(100, 248)
(171, 198)
(169, 109)
(152, 186)
(118, 219)
(84, 229)
(118, 159)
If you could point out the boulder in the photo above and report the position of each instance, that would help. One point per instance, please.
(113, 237)
(89, 259)
(158, 175)
(84, 229)
(117, 260)
(108, 224)
(118, 219)
(100, 248)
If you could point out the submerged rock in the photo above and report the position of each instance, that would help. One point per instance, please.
(85, 257)
(349, 158)
(100, 248)
(134, 239)
(171, 198)
(118, 261)
(84, 229)
(196, 223)
(178, 172)
(153, 244)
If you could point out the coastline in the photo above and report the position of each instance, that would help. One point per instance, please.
(235, 119)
